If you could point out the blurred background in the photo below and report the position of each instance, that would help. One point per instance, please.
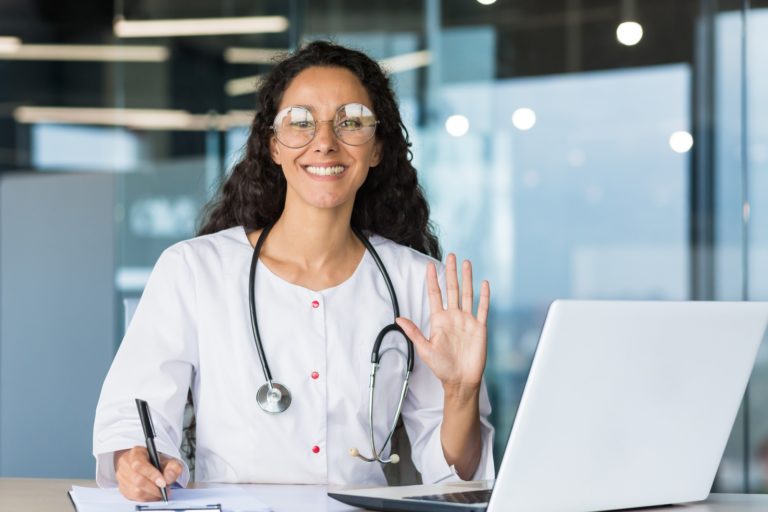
(570, 148)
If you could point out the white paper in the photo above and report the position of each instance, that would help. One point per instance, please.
(231, 499)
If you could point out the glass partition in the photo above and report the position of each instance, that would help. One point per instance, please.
(586, 149)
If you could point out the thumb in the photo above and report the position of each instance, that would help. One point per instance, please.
(414, 334)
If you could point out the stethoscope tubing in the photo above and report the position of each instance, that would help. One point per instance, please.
(252, 304)
(376, 354)
(377, 454)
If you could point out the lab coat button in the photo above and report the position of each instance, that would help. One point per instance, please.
(315, 304)
(315, 449)
(315, 375)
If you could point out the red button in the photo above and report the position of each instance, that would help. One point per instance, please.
(315, 449)
(315, 304)
(315, 375)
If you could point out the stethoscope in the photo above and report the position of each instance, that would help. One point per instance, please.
(275, 398)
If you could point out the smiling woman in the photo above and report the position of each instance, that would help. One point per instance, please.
(320, 235)
(384, 200)
(336, 156)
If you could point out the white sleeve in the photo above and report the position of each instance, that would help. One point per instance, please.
(155, 362)
(423, 416)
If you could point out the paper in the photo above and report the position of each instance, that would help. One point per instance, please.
(232, 499)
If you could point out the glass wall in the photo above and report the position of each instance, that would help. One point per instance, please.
(567, 152)
(740, 163)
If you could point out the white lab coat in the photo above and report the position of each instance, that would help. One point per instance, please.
(192, 327)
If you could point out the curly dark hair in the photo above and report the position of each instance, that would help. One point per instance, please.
(390, 202)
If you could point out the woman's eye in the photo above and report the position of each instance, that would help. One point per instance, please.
(350, 124)
(302, 125)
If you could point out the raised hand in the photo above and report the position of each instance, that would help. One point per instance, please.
(456, 349)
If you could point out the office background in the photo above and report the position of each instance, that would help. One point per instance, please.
(567, 153)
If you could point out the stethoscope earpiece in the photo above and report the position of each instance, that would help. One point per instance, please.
(275, 398)
(393, 458)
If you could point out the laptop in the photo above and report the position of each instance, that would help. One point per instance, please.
(627, 404)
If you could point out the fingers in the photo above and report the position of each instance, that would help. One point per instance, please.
(466, 287)
(452, 289)
(172, 469)
(484, 304)
(414, 334)
(150, 473)
(433, 290)
(137, 478)
(451, 282)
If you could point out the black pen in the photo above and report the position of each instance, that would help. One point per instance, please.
(149, 434)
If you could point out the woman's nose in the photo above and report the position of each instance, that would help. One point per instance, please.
(325, 138)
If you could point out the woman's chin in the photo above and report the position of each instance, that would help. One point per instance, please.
(327, 202)
(331, 198)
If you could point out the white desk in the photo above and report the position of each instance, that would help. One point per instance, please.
(50, 495)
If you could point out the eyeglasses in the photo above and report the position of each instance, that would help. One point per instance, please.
(353, 124)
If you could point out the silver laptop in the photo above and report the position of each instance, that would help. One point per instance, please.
(627, 404)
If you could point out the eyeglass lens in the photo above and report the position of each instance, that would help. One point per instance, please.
(354, 124)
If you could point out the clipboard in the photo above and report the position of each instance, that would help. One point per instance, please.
(207, 508)
(215, 499)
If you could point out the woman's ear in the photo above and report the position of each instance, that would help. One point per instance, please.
(376, 155)
(274, 150)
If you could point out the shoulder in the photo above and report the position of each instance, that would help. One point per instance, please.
(401, 260)
(387, 246)
(407, 269)
(222, 245)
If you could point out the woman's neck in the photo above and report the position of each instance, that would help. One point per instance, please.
(314, 239)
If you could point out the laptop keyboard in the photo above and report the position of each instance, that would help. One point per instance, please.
(467, 497)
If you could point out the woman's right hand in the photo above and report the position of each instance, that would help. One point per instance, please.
(138, 479)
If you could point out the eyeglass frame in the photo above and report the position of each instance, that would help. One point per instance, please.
(317, 122)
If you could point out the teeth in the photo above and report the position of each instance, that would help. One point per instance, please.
(325, 171)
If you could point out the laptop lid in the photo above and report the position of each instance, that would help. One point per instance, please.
(628, 404)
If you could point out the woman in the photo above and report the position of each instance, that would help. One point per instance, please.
(327, 153)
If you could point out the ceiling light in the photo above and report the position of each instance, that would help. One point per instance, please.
(457, 125)
(103, 53)
(140, 119)
(200, 26)
(681, 142)
(133, 118)
(249, 84)
(253, 55)
(406, 61)
(241, 86)
(9, 44)
(524, 119)
(486, 2)
(629, 33)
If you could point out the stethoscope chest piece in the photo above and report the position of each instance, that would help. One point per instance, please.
(275, 399)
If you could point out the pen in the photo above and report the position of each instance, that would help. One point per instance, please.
(149, 434)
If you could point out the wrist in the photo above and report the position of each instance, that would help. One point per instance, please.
(459, 392)
(116, 457)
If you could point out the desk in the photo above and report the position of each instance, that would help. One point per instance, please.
(50, 495)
